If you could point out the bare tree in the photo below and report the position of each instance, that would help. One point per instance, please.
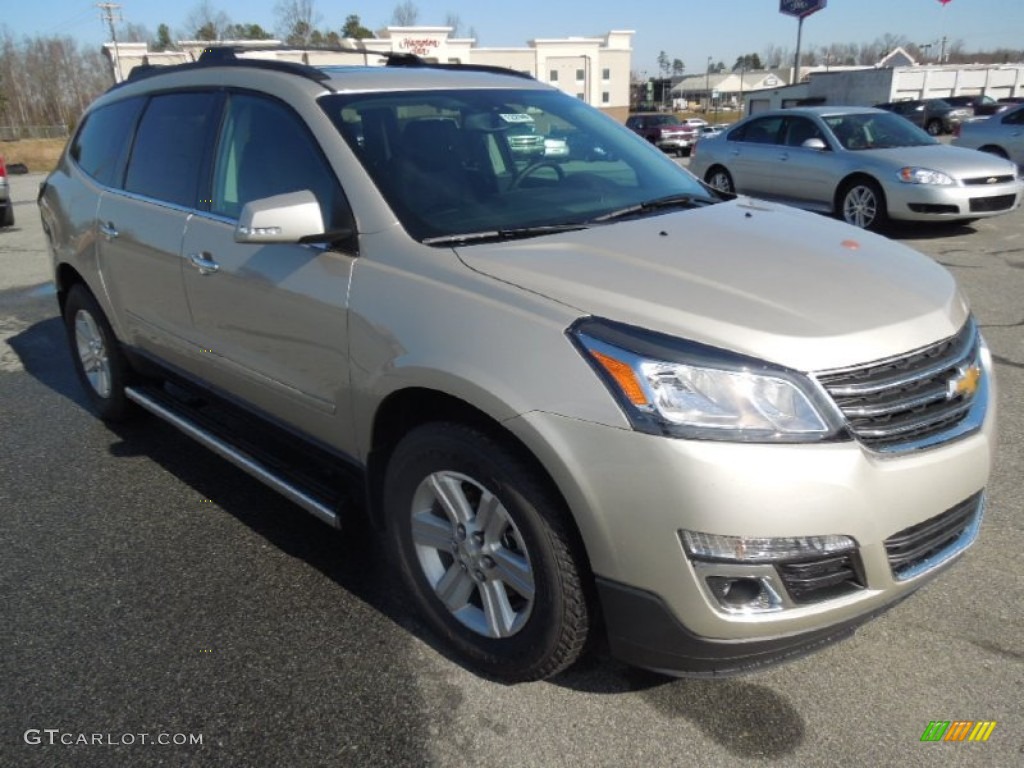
(48, 80)
(133, 33)
(204, 22)
(297, 20)
(405, 14)
(452, 20)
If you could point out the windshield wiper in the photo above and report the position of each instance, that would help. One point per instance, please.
(512, 233)
(669, 201)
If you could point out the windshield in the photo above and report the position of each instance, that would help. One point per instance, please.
(871, 130)
(461, 162)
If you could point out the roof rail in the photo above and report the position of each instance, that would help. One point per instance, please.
(228, 55)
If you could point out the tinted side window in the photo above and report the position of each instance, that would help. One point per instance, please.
(265, 150)
(169, 145)
(763, 131)
(1015, 118)
(103, 140)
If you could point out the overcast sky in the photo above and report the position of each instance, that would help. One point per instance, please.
(690, 30)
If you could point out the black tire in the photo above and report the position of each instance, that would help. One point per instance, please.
(518, 584)
(862, 204)
(934, 127)
(994, 150)
(7, 219)
(99, 362)
(720, 179)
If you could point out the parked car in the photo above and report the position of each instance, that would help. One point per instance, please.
(556, 147)
(936, 116)
(1001, 134)
(572, 398)
(863, 165)
(980, 105)
(6, 204)
(523, 138)
(664, 131)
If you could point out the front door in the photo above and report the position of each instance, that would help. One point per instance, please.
(270, 321)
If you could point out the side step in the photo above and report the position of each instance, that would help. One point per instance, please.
(206, 424)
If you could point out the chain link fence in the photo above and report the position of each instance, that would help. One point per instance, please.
(16, 132)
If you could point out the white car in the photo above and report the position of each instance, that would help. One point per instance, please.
(555, 147)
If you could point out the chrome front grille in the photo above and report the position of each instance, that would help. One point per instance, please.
(916, 400)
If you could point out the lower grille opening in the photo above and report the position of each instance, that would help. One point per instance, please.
(997, 203)
(915, 546)
(933, 208)
(824, 578)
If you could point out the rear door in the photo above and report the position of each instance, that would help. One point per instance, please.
(752, 156)
(270, 319)
(141, 225)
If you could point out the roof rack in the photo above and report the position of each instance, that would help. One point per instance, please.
(228, 56)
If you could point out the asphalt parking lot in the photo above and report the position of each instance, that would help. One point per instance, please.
(151, 589)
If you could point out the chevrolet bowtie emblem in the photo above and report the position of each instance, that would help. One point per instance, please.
(964, 384)
(991, 180)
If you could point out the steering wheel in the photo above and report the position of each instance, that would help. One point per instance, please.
(535, 166)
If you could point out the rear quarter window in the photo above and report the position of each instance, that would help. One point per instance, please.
(101, 145)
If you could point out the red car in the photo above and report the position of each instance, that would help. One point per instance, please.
(663, 130)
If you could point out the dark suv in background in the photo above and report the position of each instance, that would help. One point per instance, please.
(937, 116)
(983, 106)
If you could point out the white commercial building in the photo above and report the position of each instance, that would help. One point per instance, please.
(594, 69)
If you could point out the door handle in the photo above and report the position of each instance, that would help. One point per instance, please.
(784, 156)
(109, 231)
(204, 263)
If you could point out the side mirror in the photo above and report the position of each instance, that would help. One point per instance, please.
(288, 218)
(815, 143)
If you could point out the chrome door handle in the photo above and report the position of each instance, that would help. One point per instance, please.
(109, 231)
(204, 263)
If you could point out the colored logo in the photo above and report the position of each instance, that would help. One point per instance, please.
(958, 730)
(964, 384)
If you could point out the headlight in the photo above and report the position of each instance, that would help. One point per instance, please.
(911, 175)
(683, 389)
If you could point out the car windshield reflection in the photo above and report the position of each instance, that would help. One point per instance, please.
(870, 130)
(480, 161)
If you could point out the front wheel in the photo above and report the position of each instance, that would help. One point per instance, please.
(99, 362)
(721, 179)
(862, 204)
(934, 127)
(485, 546)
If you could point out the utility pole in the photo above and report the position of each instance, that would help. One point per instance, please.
(942, 51)
(108, 13)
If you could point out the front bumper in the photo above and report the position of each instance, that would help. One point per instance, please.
(632, 494)
(923, 202)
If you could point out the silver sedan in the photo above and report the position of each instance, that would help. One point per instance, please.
(1002, 134)
(864, 165)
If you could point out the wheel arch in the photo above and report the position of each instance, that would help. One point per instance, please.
(404, 410)
(850, 179)
(994, 149)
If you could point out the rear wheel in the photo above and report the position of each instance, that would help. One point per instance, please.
(99, 362)
(934, 127)
(7, 218)
(487, 551)
(720, 179)
(862, 204)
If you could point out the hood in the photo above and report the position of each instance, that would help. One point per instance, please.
(765, 280)
(956, 161)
